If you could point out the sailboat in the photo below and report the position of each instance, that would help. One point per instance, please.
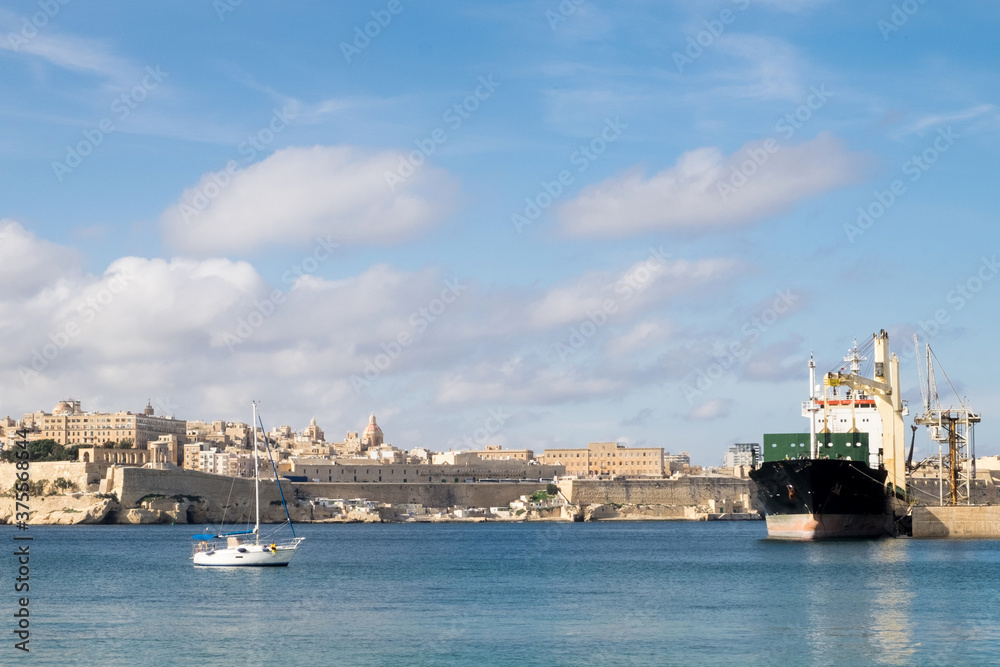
(245, 547)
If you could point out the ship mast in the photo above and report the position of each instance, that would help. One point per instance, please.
(813, 448)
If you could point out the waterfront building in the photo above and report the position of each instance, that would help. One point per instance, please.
(419, 455)
(387, 454)
(205, 457)
(351, 445)
(745, 454)
(313, 432)
(454, 458)
(8, 432)
(68, 425)
(498, 453)
(677, 462)
(607, 459)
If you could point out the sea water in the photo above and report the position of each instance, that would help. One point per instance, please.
(507, 594)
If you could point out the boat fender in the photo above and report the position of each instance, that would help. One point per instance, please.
(242, 550)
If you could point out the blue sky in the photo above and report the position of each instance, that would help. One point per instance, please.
(596, 201)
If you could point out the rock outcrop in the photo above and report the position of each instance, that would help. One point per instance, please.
(63, 510)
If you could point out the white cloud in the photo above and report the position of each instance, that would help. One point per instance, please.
(643, 335)
(646, 283)
(766, 68)
(203, 337)
(64, 51)
(717, 408)
(28, 264)
(298, 194)
(695, 196)
(524, 380)
(932, 120)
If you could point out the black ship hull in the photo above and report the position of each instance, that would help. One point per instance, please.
(815, 499)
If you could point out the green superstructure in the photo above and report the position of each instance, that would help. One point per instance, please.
(784, 446)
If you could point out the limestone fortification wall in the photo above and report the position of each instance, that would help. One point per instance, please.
(683, 491)
(927, 491)
(81, 474)
(213, 492)
(184, 496)
(493, 494)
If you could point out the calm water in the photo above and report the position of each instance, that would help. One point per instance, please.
(509, 594)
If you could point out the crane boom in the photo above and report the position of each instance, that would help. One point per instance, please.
(885, 388)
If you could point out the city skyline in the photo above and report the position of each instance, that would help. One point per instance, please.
(553, 223)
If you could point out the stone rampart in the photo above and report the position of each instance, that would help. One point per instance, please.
(216, 493)
(683, 491)
(482, 494)
(80, 474)
(928, 491)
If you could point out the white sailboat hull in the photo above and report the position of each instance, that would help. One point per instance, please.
(246, 555)
(238, 549)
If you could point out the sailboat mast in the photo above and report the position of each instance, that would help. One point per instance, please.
(256, 475)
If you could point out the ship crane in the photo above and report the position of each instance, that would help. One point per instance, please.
(884, 388)
(952, 428)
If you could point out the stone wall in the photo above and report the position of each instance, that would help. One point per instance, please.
(354, 471)
(487, 494)
(927, 490)
(81, 474)
(957, 522)
(683, 491)
(215, 493)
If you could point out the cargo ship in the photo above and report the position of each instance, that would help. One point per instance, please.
(846, 477)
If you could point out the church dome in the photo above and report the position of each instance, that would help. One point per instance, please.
(62, 408)
(373, 428)
(372, 436)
